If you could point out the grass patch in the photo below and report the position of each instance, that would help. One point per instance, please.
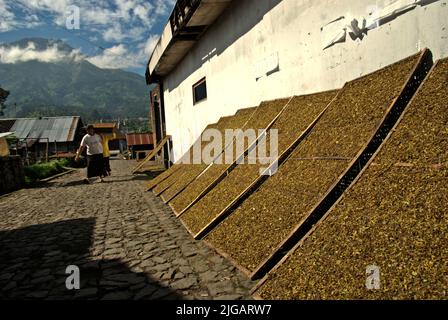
(45, 170)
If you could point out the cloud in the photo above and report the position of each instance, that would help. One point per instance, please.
(149, 45)
(16, 54)
(114, 20)
(116, 57)
(123, 24)
(122, 57)
(7, 17)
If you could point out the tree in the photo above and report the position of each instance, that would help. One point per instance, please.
(3, 96)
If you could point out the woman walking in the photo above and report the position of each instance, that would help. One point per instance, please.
(95, 161)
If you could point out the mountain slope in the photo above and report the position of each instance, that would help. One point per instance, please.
(71, 87)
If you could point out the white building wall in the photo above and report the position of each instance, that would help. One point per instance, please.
(253, 35)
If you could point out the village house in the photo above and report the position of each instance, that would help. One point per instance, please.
(117, 139)
(40, 138)
(139, 144)
(215, 57)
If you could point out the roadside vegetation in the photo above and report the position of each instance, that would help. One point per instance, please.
(40, 171)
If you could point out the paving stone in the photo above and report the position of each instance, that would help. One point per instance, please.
(53, 253)
(161, 267)
(111, 252)
(147, 291)
(6, 276)
(158, 275)
(134, 232)
(86, 293)
(149, 247)
(113, 240)
(229, 297)
(147, 263)
(134, 263)
(185, 283)
(37, 294)
(160, 293)
(219, 288)
(209, 276)
(40, 273)
(113, 284)
(190, 253)
(180, 261)
(91, 265)
(159, 260)
(43, 279)
(9, 286)
(186, 270)
(178, 275)
(216, 259)
(200, 266)
(137, 286)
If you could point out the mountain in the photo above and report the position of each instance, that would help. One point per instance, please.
(67, 84)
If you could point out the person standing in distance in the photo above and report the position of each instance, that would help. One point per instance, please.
(95, 162)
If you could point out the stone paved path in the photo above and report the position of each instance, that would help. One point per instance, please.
(126, 242)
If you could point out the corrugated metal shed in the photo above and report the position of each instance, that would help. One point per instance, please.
(138, 139)
(55, 129)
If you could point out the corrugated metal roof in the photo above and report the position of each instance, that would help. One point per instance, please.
(22, 127)
(138, 139)
(72, 130)
(55, 129)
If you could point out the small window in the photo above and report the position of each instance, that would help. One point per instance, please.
(199, 91)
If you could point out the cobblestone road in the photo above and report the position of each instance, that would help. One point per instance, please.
(126, 242)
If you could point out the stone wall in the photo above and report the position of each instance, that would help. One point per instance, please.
(11, 174)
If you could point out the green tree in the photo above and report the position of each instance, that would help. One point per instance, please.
(3, 96)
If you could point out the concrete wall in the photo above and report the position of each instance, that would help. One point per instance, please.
(266, 49)
(11, 174)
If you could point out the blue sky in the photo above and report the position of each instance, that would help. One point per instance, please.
(112, 33)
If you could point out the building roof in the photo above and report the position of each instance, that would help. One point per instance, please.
(108, 128)
(105, 125)
(187, 23)
(139, 139)
(52, 129)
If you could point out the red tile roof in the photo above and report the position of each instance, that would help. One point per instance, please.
(137, 139)
(105, 125)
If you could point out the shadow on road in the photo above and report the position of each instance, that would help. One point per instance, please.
(33, 262)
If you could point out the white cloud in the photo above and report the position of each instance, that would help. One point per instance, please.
(149, 45)
(115, 20)
(123, 22)
(116, 57)
(121, 57)
(7, 17)
(15, 54)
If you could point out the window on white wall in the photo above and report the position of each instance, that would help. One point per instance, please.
(200, 91)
